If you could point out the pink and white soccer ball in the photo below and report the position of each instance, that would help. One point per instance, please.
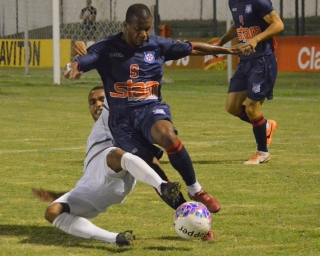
(192, 220)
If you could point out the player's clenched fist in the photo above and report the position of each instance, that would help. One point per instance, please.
(242, 49)
(79, 48)
(71, 71)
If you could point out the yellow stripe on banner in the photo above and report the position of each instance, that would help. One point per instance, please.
(12, 53)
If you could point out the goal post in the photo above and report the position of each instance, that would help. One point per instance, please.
(26, 40)
(229, 56)
(56, 41)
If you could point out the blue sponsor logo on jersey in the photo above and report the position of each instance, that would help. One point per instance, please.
(248, 8)
(149, 57)
(256, 88)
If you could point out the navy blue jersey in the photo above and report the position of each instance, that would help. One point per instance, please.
(132, 77)
(248, 17)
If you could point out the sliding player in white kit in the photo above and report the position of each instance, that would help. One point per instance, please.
(109, 175)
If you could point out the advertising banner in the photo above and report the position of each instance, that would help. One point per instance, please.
(294, 54)
(298, 53)
(12, 53)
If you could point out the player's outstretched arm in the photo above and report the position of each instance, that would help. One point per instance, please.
(46, 195)
(200, 48)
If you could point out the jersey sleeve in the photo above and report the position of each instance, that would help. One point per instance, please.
(174, 49)
(264, 7)
(91, 59)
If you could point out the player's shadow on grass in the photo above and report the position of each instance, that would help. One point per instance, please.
(226, 161)
(8, 93)
(49, 236)
(169, 248)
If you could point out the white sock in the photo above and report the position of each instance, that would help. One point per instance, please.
(141, 170)
(263, 152)
(82, 227)
(194, 188)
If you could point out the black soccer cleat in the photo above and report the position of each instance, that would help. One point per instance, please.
(170, 190)
(174, 203)
(124, 238)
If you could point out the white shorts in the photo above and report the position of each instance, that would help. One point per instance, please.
(99, 188)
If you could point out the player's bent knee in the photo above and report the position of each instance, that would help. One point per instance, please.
(228, 109)
(114, 159)
(54, 210)
(251, 111)
(164, 137)
(231, 110)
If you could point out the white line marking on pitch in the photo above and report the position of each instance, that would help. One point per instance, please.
(38, 150)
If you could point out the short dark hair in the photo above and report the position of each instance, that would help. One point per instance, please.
(97, 88)
(100, 87)
(139, 11)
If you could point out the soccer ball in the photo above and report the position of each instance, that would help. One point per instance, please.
(192, 220)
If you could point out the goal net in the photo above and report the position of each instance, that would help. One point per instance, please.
(38, 33)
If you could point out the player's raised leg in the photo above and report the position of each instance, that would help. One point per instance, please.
(144, 173)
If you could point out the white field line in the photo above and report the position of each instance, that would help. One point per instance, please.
(39, 150)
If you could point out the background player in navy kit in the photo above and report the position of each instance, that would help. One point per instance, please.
(254, 23)
(130, 65)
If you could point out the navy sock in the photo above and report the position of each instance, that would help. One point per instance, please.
(259, 125)
(181, 161)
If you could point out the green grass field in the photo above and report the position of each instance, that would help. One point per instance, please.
(270, 209)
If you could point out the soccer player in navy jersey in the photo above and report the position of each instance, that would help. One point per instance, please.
(255, 23)
(130, 65)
